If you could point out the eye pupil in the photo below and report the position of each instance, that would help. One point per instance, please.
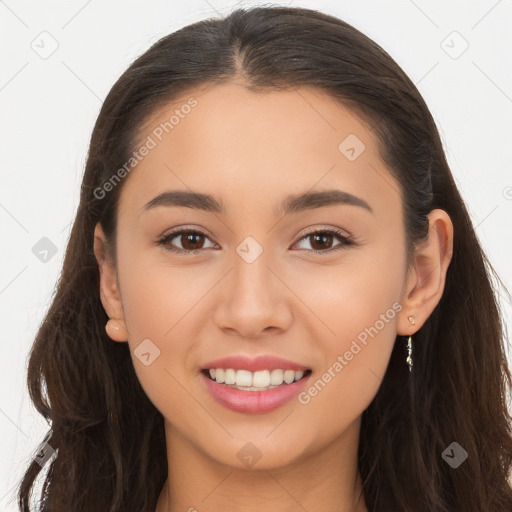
(189, 239)
(322, 237)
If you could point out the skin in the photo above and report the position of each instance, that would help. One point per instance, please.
(252, 150)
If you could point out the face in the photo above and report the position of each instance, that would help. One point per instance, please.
(318, 281)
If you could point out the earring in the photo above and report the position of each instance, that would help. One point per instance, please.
(409, 353)
(409, 347)
(113, 328)
(112, 325)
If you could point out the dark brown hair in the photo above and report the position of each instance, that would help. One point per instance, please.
(82, 382)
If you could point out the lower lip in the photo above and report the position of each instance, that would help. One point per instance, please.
(253, 402)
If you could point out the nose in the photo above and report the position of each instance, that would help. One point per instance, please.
(253, 299)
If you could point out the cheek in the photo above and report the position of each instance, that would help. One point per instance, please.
(352, 295)
(157, 295)
(357, 304)
(158, 303)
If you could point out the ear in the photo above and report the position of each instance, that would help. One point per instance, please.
(109, 288)
(427, 276)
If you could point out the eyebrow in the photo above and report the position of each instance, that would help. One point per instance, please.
(291, 204)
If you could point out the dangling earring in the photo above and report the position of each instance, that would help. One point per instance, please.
(409, 347)
(409, 353)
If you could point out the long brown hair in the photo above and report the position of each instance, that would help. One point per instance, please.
(82, 382)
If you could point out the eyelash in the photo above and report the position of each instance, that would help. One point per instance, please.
(165, 240)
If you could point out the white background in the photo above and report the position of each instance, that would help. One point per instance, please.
(48, 107)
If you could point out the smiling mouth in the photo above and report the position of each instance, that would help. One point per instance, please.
(255, 381)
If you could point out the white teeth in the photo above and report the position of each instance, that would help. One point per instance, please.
(255, 380)
(230, 376)
(219, 375)
(243, 378)
(276, 377)
(289, 376)
(260, 379)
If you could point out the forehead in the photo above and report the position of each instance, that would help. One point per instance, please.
(227, 140)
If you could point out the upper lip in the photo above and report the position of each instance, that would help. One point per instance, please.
(254, 364)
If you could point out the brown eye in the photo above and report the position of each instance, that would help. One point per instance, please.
(321, 241)
(191, 241)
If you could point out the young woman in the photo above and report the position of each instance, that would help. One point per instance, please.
(273, 297)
